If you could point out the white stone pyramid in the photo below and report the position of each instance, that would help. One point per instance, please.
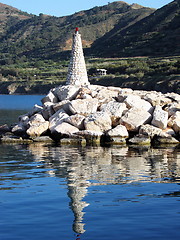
(77, 73)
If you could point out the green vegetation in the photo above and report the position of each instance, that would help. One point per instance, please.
(161, 74)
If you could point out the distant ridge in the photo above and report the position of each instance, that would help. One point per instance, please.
(48, 37)
(157, 34)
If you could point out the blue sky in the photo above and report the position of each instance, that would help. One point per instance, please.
(67, 7)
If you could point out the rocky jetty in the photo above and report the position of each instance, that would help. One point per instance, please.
(85, 114)
(97, 114)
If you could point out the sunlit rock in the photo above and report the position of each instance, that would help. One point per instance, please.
(76, 120)
(160, 118)
(149, 130)
(57, 119)
(137, 102)
(83, 106)
(50, 97)
(115, 109)
(67, 92)
(63, 130)
(99, 121)
(134, 118)
(37, 129)
(157, 98)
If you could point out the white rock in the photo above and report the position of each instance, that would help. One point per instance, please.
(99, 121)
(134, 118)
(76, 120)
(149, 130)
(172, 108)
(118, 131)
(50, 97)
(67, 92)
(83, 106)
(104, 95)
(173, 96)
(36, 130)
(157, 98)
(37, 118)
(174, 122)
(57, 118)
(91, 136)
(61, 105)
(137, 102)
(63, 129)
(115, 109)
(160, 118)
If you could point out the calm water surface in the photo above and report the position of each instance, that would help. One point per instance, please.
(57, 192)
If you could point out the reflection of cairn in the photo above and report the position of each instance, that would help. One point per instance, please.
(77, 186)
(76, 195)
(77, 74)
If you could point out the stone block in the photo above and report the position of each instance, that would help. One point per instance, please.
(160, 118)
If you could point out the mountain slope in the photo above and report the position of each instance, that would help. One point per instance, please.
(157, 34)
(9, 16)
(46, 36)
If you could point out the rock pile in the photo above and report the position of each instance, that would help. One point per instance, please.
(98, 114)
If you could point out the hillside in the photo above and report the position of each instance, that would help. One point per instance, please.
(10, 16)
(155, 35)
(46, 36)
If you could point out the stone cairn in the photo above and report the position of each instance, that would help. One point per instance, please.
(85, 114)
(77, 73)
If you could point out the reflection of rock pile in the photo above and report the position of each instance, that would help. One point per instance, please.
(84, 167)
(95, 113)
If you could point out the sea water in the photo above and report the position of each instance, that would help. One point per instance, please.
(48, 191)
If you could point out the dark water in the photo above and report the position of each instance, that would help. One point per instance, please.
(64, 192)
(11, 106)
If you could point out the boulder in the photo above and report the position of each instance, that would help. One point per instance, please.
(63, 129)
(50, 97)
(160, 118)
(57, 119)
(117, 135)
(83, 106)
(84, 93)
(135, 101)
(174, 122)
(23, 120)
(134, 118)
(36, 118)
(149, 130)
(173, 96)
(115, 109)
(118, 131)
(37, 129)
(67, 92)
(99, 121)
(165, 140)
(61, 105)
(172, 108)
(104, 95)
(157, 98)
(76, 120)
(140, 140)
(48, 111)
